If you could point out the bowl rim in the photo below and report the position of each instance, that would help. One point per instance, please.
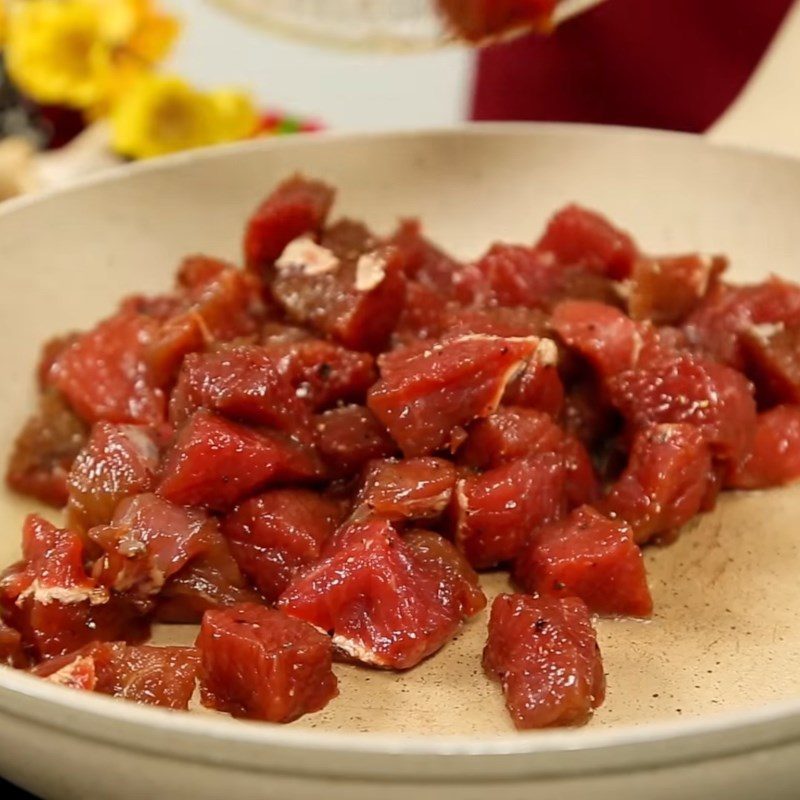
(624, 748)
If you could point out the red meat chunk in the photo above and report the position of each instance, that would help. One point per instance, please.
(539, 387)
(590, 556)
(243, 382)
(680, 387)
(475, 20)
(496, 512)
(579, 237)
(118, 461)
(611, 341)
(382, 604)
(322, 373)
(216, 463)
(729, 311)
(350, 288)
(57, 607)
(772, 360)
(45, 449)
(425, 395)
(11, 653)
(544, 652)
(514, 433)
(158, 676)
(72, 671)
(261, 664)
(51, 350)
(104, 375)
(148, 541)
(515, 275)
(666, 290)
(666, 481)
(507, 435)
(276, 534)
(213, 580)
(298, 206)
(221, 303)
(423, 261)
(460, 582)
(774, 457)
(422, 317)
(494, 321)
(349, 437)
(413, 488)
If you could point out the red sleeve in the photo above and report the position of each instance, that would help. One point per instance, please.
(673, 64)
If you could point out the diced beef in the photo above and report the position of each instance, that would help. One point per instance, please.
(261, 664)
(544, 653)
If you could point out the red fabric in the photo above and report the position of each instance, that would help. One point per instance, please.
(673, 64)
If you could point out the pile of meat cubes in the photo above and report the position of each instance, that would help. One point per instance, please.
(310, 458)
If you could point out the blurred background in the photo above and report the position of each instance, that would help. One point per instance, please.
(88, 84)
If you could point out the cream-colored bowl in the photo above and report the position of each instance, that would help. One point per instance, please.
(704, 700)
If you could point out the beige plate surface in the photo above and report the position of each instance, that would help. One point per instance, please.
(724, 639)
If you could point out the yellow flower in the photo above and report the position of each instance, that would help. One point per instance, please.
(163, 114)
(55, 52)
(82, 53)
(3, 21)
(236, 115)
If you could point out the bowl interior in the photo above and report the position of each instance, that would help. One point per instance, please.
(724, 635)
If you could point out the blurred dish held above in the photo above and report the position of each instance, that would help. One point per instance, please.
(404, 25)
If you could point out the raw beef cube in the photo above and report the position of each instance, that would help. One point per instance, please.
(382, 605)
(350, 287)
(666, 290)
(681, 387)
(349, 437)
(496, 512)
(323, 373)
(544, 652)
(426, 395)
(242, 382)
(104, 376)
(56, 606)
(515, 275)
(495, 321)
(298, 206)
(514, 433)
(216, 463)
(423, 316)
(665, 483)
(579, 237)
(460, 582)
(423, 261)
(45, 449)
(222, 303)
(509, 434)
(158, 676)
(118, 461)
(261, 664)
(611, 341)
(276, 534)
(413, 488)
(213, 580)
(774, 457)
(538, 387)
(727, 312)
(772, 361)
(589, 556)
(148, 541)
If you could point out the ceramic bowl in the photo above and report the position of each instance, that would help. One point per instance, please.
(704, 699)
